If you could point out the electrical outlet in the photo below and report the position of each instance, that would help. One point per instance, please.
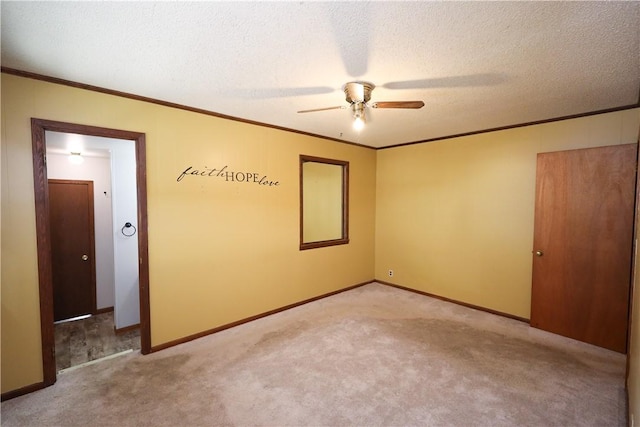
(390, 273)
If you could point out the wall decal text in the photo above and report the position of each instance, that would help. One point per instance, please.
(229, 175)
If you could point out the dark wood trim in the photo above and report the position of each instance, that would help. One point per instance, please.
(143, 244)
(43, 243)
(22, 391)
(345, 203)
(38, 129)
(626, 405)
(252, 318)
(323, 244)
(126, 328)
(634, 272)
(104, 310)
(464, 304)
(518, 125)
(55, 80)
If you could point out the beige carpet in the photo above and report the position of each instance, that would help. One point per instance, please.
(371, 356)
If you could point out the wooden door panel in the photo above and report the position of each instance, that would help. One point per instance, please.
(72, 238)
(584, 227)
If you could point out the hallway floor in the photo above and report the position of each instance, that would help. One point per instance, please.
(82, 341)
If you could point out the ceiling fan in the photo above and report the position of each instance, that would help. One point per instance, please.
(358, 95)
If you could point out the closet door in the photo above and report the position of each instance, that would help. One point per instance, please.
(72, 248)
(583, 242)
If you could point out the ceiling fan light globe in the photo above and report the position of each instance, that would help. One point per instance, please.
(358, 124)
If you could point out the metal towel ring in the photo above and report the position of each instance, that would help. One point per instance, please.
(128, 225)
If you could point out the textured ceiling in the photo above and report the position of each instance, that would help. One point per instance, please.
(476, 65)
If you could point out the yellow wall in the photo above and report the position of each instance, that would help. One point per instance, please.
(455, 218)
(218, 251)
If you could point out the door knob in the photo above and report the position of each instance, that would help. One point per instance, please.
(539, 253)
(85, 257)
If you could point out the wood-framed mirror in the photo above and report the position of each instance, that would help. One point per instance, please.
(324, 202)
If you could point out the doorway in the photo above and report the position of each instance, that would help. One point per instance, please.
(39, 128)
(105, 318)
(583, 240)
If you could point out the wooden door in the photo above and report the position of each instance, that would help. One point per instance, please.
(72, 248)
(583, 244)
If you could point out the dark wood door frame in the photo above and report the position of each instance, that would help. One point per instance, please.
(634, 272)
(38, 129)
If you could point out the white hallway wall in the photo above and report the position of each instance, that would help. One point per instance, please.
(125, 209)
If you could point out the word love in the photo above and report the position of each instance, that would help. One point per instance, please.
(229, 176)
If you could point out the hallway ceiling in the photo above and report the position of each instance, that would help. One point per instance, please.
(476, 65)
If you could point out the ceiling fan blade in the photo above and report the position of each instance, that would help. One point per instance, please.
(398, 104)
(323, 109)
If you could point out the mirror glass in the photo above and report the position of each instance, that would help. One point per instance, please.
(323, 202)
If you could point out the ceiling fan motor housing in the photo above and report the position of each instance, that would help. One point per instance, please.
(358, 95)
(358, 91)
